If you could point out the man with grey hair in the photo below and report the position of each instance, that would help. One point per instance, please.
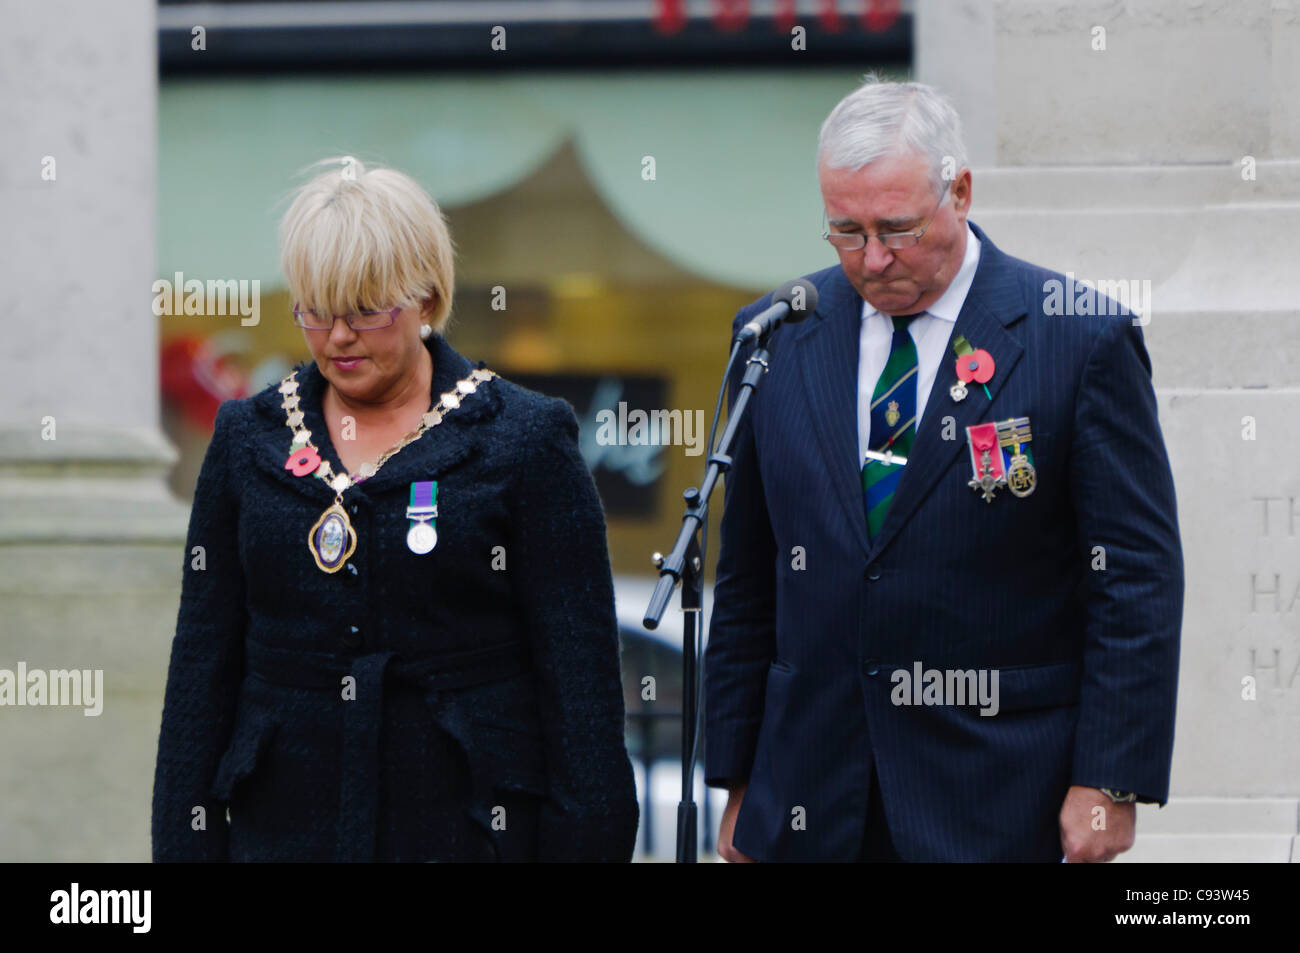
(950, 586)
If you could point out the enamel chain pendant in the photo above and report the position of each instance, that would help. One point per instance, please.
(332, 540)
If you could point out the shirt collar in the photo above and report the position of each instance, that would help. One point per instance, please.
(949, 304)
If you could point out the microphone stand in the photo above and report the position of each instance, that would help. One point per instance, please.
(685, 565)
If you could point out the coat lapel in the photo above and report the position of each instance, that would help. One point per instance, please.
(828, 358)
(438, 449)
(271, 443)
(993, 302)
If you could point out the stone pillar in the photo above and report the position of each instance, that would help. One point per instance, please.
(1159, 143)
(954, 48)
(90, 539)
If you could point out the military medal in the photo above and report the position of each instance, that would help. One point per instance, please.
(423, 511)
(332, 539)
(986, 461)
(1022, 478)
(1000, 456)
(1013, 440)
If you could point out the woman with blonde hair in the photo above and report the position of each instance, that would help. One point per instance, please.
(400, 642)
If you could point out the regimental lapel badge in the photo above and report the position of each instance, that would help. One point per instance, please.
(1013, 441)
(1000, 456)
(986, 461)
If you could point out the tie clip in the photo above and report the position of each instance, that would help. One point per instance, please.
(888, 458)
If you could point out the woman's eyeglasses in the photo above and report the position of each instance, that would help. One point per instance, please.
(357, 321)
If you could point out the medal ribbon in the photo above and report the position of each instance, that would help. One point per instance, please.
(982, 438)
(424, 501)
(1014, 436)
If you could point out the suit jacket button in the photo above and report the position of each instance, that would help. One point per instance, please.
(352, 637)
(873, 573)
(871, 667)
(350, 574)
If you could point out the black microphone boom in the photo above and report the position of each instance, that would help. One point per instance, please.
(793, 301)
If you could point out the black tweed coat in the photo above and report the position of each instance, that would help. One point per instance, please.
(460, 705)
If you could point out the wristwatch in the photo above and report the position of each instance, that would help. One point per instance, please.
(1119, 797)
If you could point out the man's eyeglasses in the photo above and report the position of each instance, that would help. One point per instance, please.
(357, 321)
(856, 241)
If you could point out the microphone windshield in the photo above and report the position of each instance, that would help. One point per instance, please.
(801, 295)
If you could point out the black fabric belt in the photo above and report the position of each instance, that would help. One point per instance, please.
(363, 718)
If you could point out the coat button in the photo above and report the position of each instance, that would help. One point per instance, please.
(871, 666)
(873, 573)
(350, 574)
(352, 638)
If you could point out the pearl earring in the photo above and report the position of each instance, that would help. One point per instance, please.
(426, 330)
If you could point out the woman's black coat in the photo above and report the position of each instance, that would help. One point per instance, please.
(464, 704)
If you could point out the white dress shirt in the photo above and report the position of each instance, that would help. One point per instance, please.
(930, 333)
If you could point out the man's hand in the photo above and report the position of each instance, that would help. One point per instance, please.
(728, 826)
(1088, 835)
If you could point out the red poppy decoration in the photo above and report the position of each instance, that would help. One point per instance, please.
(976, 366)
(302, 461)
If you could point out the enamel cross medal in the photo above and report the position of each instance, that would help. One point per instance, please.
(987, 471)
(423, 514)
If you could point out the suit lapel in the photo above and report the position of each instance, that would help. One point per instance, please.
(993, 302)
(828, 359)
(440, 448)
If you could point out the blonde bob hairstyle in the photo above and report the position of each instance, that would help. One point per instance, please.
(367, 239)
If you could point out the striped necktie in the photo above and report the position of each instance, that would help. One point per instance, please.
(893, 422)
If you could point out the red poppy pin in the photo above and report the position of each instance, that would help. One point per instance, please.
(976, 366)
(972, 365)
(303, 461)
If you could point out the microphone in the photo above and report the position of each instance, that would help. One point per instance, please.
(791, 302)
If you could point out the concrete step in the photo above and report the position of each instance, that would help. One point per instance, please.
(1216, 815)
(1220, 848)
(1063, 187)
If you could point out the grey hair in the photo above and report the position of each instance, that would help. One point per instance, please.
(880, 118)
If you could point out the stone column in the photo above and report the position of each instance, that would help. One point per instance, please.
(1159, 143)
(91, 542)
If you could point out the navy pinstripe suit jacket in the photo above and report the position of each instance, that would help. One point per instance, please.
(812, 617)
